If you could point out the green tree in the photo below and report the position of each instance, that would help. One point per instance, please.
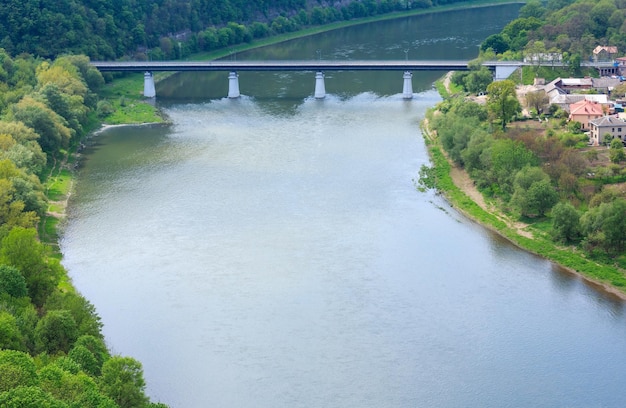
(496, 42)
(502, 101)
(12, 282)
(533, 8)
(10, 336)
(16, 369)
(51, 127)
(29, 397)
(477, 81)
(122, 380)
(21, 249)
(503, 160)
(604, 226)
(533, 194)
(616, 151)
(565, 223)
(83, 312)
(56, 331)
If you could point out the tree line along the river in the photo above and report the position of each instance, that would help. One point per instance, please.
(168, 29)
(52, 352)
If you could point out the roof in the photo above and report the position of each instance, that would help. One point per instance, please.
(605, 82)
(611, 49)
(576, 82)
(607, 121)
(586, 107)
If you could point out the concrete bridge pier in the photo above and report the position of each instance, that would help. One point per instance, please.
(407, 88)
(148, 85)
(233, 85)
(320, 88)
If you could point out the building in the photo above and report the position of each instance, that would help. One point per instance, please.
(604, 53)
(584, 111)
(600, 127)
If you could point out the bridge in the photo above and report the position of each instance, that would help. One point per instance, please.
(502, 69)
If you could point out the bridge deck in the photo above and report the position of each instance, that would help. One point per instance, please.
(312, 65)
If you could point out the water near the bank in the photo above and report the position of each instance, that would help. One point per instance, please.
(274, 252)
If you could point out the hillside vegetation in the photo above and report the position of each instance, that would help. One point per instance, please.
(538, 169)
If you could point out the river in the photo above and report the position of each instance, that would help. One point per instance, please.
(273, 251)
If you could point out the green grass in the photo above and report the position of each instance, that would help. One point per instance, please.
(59, 186)
(133, 112)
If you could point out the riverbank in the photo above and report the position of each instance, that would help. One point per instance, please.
(458, 188)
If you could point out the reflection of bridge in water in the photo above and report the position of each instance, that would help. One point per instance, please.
(501, 69)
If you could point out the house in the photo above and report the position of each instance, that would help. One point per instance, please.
(584, 111)
(575, 84)
(621, 65)
(604, 53)
(564, 101)
(611, 125)
(605, 84)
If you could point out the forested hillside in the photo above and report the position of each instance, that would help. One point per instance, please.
(571, 27)
(111, 29)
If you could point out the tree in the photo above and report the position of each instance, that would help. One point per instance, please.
(10, 336)
(565, 223)
(83, 312)
(49, 125)
(537, 100)
(56, 331)
(503, 160)
(29, 397)
(477, 81)
(16, 369)
(122, 380)
(604, 226)
(21, 249)
(616, 151)
(532, 8)
(497, 42)
(533, 194)
(12, 282)
(502, 101)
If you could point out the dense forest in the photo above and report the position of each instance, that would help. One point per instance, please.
(541, 170)
(573, 28)
(113, 29)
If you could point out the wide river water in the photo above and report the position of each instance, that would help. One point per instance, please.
(273, 251)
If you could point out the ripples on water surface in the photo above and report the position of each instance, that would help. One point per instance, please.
(252, 259)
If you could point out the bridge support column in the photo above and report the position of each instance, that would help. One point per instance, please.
(320, 88)
(407, 88)
(233, 85)
(148, 85)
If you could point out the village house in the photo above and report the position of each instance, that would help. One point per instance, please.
(564, 101)
(575, 84)
(606, 125)
(605, 84)
(604, 53)
(584, 111)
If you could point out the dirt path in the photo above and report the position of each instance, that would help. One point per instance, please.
(463, 181)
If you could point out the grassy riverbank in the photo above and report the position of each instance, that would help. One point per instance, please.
(529, 237)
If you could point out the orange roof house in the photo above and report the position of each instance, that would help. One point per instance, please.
(584, 111)
(604, 53)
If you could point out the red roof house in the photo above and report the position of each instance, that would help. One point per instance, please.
(584, 111)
